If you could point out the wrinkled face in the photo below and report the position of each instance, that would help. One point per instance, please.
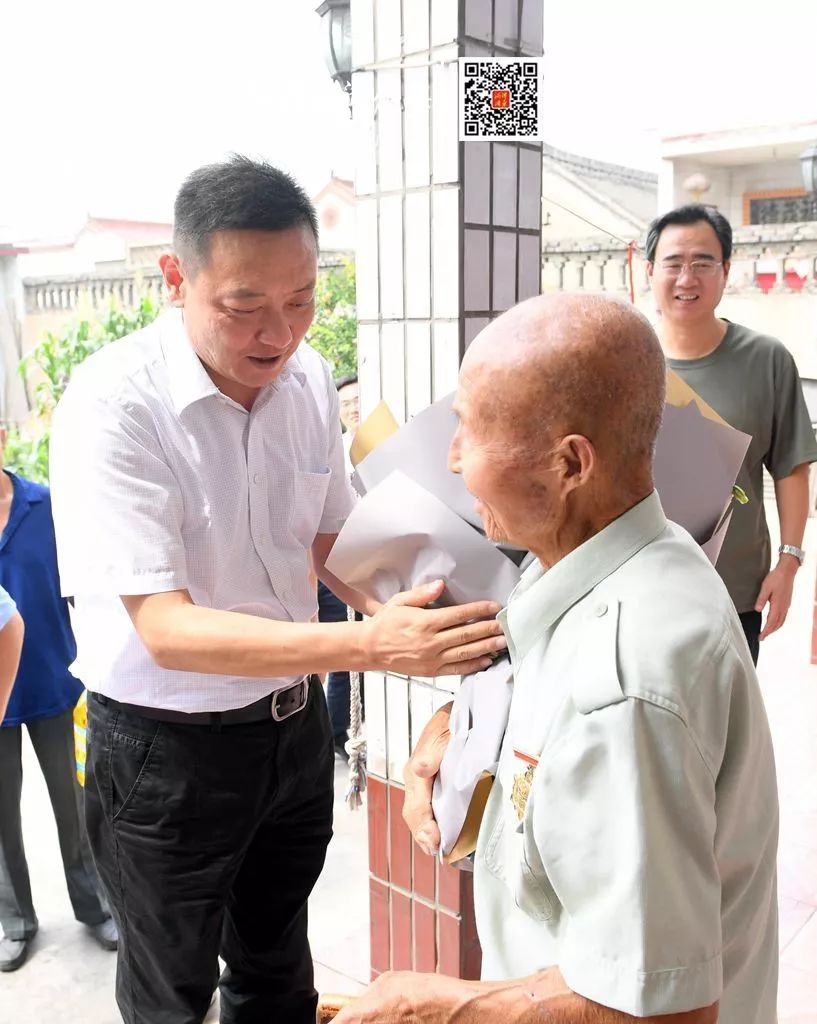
(349, 398)
(248, 307)
(513, 501)
(688, 276)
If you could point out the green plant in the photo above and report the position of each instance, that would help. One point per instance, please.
(334, 330)
(53, 361)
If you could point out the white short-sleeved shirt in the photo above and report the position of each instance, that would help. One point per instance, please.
(160, 482)
(644, 864)
(7, 608)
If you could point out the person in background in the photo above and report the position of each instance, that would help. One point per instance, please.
(330, 607)
(751, 380)
(42, 700)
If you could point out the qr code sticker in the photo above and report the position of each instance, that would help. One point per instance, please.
(500, 99)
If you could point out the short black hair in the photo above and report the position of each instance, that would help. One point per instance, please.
(692, 213)
(344, 382)
(239, 194)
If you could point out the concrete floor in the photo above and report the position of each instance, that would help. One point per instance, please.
(69, 978)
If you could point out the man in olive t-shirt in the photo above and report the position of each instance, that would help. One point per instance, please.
(751, 380)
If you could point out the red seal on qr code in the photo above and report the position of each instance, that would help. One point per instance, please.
(500, 99)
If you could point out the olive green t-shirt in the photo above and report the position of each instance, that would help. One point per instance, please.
(751, 380)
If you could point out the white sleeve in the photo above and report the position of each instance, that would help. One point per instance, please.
(628, 842)
(118, 509)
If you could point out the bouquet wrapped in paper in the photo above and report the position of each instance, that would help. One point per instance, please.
(416, 523)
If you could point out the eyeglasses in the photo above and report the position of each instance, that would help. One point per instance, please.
(698, 268)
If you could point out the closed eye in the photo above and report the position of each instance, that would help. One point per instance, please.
(242, 312)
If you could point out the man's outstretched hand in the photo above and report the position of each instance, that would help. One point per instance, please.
(419, 775)
(406, 637)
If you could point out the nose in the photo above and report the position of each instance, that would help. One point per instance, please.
(275, 332)
(686, 275)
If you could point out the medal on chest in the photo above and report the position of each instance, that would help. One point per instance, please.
(522, 782)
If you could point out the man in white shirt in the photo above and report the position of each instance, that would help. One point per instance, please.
(625, 867)
(196, 466)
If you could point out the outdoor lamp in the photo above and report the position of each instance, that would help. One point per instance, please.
(808, 164)
(337, 17)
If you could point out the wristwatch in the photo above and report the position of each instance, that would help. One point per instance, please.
(790, 549)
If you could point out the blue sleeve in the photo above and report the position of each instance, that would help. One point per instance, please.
(7, 608)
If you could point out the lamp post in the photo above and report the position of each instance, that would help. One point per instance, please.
(337, 16)
(808, 165)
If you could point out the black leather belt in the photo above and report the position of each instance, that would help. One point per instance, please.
(279, 706)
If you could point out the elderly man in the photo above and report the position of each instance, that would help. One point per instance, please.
(197, 470)
(626, 860)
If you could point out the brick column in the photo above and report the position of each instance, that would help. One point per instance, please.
(449, 235)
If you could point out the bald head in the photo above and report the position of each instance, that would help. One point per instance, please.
(571, 364)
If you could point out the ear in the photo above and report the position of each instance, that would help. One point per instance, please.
(174, 277)
(727, 266)
(650, 269)
(576, 457)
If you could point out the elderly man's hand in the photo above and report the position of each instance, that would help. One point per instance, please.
(404, 997)
(406, 637)
(419, 775)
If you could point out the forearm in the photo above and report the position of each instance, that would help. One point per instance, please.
(544, 996)
(351, 598)
(183, 636)
(792, 505)
(11, 643)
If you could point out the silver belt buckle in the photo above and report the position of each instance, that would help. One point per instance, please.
(289, 700)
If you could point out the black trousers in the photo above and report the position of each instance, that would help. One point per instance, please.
(751, 622)
(53, 742)
(209, 842)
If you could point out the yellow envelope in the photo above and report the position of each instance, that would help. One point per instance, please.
(379, 425)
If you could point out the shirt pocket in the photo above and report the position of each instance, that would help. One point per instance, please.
(511, 855)
(309, 499)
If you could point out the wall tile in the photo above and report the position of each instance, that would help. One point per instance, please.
(425, 938)
(401, 949)
(368, 361)
(445, 357)
(477, 182)
(479, 19)
(476, 269)
(415, 26)
(393, 368)
(388, 104)
(421, 710)
(449, 887)
(377, 803)
(400, 841)
(445, 287)
(387, 30)
(450, 947)
(425, 875)
(418, 367)
(364, 135)
(444, 114)
(504, 184)
(362, 33)
(533, 18)
(418, 254)
(530, 188)
(366, 239)
(417, 120)
(376, 743)
(390, 254)
(444, 15)
(504, 293)
(397, 724)
(379, 926)
(530, 267)
(506, 23)
(473, 325)
(443, 697)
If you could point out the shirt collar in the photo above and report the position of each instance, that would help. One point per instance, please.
(26, 494)
(188, 381)
(542, 596)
